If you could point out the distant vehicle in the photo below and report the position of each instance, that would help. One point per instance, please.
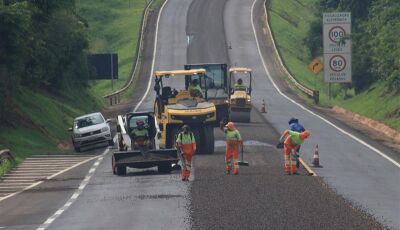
(90, 129)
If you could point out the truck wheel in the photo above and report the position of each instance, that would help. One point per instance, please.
(208, 137)
(121, 170)
(164, 168)
(111, 142)
(77, 149)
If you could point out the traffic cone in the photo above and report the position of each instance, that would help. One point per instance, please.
(315, 160)
(263, 110)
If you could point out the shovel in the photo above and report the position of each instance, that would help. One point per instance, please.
(181, 159)
(242, 162)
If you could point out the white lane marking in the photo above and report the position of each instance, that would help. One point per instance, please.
(49, 177)
(87, 178)
(154, 58)
(304, 108)
(76, 194)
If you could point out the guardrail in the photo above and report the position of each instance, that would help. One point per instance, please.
(116, 95)
(312, 93)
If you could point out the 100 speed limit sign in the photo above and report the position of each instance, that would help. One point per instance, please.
(337, 67)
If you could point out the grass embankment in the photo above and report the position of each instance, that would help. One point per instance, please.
(289, 22)
(114, 26)
(43, 120)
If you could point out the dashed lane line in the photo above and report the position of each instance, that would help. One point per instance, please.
(50, 220)
(76, 194)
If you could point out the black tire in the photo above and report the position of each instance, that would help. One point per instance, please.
(164, 168)
(114, 170)
(111, 142)
(208, 140)
(120, 170)
(77, 149)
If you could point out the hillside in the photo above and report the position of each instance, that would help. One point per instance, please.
(291, 22)
(35, 116)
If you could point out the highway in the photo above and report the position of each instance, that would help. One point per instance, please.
(355, 183)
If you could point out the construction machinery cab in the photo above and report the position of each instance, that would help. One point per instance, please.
(173, 108)
(148, 119)
(240, 95)
(127, 157)
(216, 82)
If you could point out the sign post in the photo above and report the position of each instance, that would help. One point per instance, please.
(337, 47)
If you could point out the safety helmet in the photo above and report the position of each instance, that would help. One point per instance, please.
(230, 126)
(240, 81)
(305, 134)
(140, 123)
(293, 120)
(185, 128)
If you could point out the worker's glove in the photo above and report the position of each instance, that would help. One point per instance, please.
(279, 145)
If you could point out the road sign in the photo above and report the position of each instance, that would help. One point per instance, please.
(337, 67)
(336, 38)
(315, 66)
(337, 46)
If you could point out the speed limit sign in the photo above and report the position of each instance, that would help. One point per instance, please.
(337, 63)
(337, 67)
(337, 47)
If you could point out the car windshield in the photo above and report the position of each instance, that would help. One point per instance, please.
(89, 121)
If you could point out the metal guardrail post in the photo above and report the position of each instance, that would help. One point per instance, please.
(316, 96)
(110, 100)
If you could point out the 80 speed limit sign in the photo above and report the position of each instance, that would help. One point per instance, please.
(337, 63)
(337, 68)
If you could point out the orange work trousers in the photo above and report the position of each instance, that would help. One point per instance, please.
(185, 172)
(289, 158)
(232, 153)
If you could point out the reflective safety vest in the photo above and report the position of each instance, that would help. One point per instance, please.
(233, 136)
(194, 89)
(137, 133)
(186, 142)
(240, 87)
(293, 138)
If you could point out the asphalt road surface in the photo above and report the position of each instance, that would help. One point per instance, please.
(261, 196)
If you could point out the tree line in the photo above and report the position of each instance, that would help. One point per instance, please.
(43, 45)
(375, 42)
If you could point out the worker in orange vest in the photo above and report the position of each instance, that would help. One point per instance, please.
(187, 144)
(291, 141)
(233, 141)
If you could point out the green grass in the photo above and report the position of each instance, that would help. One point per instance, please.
(113, 27)
(5, 166)
(45, 121)
(290, 21)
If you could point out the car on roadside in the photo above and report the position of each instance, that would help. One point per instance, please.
(90, 129)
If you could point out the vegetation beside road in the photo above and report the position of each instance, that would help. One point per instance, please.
(43, 71)
(114, 26)
(375, 92)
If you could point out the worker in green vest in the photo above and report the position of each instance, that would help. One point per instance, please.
(233, 141)
(140, 136)
(195, 89)
(187, 145)
(239, 85)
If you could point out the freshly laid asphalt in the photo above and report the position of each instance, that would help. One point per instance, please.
(261, 196)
